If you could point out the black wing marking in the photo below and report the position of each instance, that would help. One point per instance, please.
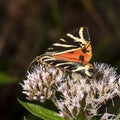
(72, 41)
(85, 69)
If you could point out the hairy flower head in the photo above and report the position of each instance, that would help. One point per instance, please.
(77, 93)
(40, 81)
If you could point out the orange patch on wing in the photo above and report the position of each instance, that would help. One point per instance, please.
(74, 56)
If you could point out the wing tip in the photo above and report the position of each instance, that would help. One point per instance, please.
(84, 33)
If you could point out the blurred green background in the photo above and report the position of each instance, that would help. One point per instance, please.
(29, 27)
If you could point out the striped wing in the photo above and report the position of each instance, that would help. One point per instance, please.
(73, 53)
(78, 39)
(83, 69)
(75, 46)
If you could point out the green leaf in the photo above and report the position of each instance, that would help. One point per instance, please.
(40, 112)
(6, 79)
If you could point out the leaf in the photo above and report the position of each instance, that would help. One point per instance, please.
(40, 112)
(6, 79)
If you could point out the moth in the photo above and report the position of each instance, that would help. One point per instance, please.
(72, 53)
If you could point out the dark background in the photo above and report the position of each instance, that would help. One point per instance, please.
(28, 27)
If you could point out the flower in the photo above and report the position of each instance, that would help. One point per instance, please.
(103, 87)
(93, 92)
(79, 95)
(40, 81)
(69, 104)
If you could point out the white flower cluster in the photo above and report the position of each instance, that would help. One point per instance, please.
(40, 82)
(72, 93)
(80, 96)
(103, 87)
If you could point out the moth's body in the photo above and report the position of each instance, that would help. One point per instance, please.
(73, 53)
